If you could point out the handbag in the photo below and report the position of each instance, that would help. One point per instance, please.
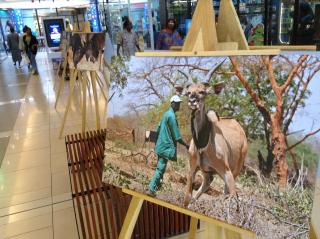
(25, 59)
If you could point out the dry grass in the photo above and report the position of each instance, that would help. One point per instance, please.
(260, 205)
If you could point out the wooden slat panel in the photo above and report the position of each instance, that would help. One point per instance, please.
(157, 221)
(101, 208)
(181, 221)
(176, 222)
(113, 220)
(141, 226)
(97, 157)
(162, 224)
(150, 207)
(74, 185)
(167, 221)
(82, 191)
(94, 184)
(84, 170)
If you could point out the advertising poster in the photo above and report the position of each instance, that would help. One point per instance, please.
(53, 30)
(232, 138)
(55, 33)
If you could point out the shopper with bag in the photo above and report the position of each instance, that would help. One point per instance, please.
(13, 43)
(31, 48)
(25, 59)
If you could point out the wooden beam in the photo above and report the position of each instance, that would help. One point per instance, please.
(279, 47)
(286, 47)
(209, 53)
(193, 214)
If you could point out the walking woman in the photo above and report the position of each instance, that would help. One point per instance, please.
(31, 48)
(13, 43)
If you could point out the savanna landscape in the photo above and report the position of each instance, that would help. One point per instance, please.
(267, 95)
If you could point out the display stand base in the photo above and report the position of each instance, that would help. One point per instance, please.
(218, 229)
(94, 79)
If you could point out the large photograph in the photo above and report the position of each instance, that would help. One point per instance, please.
(85, 51)
(234, 138)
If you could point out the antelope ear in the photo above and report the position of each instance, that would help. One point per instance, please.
(180, 90)
(218, 87)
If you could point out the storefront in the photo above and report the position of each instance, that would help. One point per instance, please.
(113, 13)
(3, 17)
(265, 22)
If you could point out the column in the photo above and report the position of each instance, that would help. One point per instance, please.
(94, 16)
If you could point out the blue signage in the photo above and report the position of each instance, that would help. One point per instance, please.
(93, 16)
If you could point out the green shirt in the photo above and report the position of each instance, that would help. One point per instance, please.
(168, 135)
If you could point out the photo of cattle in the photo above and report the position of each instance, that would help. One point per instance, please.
(85, 51)
(235, 138)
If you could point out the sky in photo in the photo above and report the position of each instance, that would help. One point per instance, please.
(305, 120)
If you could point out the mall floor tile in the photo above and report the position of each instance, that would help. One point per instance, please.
(35, 192)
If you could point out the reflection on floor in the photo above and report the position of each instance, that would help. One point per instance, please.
(35, 199)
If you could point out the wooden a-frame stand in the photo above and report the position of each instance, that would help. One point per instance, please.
(86, 79)
(205, 38)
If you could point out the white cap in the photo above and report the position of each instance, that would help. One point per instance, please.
(176, 99)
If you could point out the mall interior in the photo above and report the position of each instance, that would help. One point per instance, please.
(37, 199)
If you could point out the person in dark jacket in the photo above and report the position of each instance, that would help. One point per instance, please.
(13, 43)
(31, 48)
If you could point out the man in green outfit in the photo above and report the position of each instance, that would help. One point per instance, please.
(166, 145)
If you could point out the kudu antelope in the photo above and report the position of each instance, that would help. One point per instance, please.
(217, 146)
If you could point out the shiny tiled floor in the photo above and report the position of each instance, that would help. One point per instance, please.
(35, 198)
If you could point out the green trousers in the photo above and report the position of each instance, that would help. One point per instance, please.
(158, 174)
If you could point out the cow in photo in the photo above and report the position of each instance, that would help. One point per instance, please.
(86, 50)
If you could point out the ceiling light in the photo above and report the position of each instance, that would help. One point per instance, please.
(44, 4)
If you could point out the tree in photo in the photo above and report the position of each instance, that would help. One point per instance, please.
(264, 93)
(288, 79)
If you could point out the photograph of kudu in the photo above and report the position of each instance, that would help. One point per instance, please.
(235, 138)
(217, 145)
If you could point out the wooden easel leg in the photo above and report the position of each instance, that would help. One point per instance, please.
(106, 76)
(95, 95)
(213, 231)
(131, 218)
(61, 85)
(57, 75)
(88, 80)
(193, 228)
(81, 89)
(84, 103)
(99, 80)
(73, 74)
